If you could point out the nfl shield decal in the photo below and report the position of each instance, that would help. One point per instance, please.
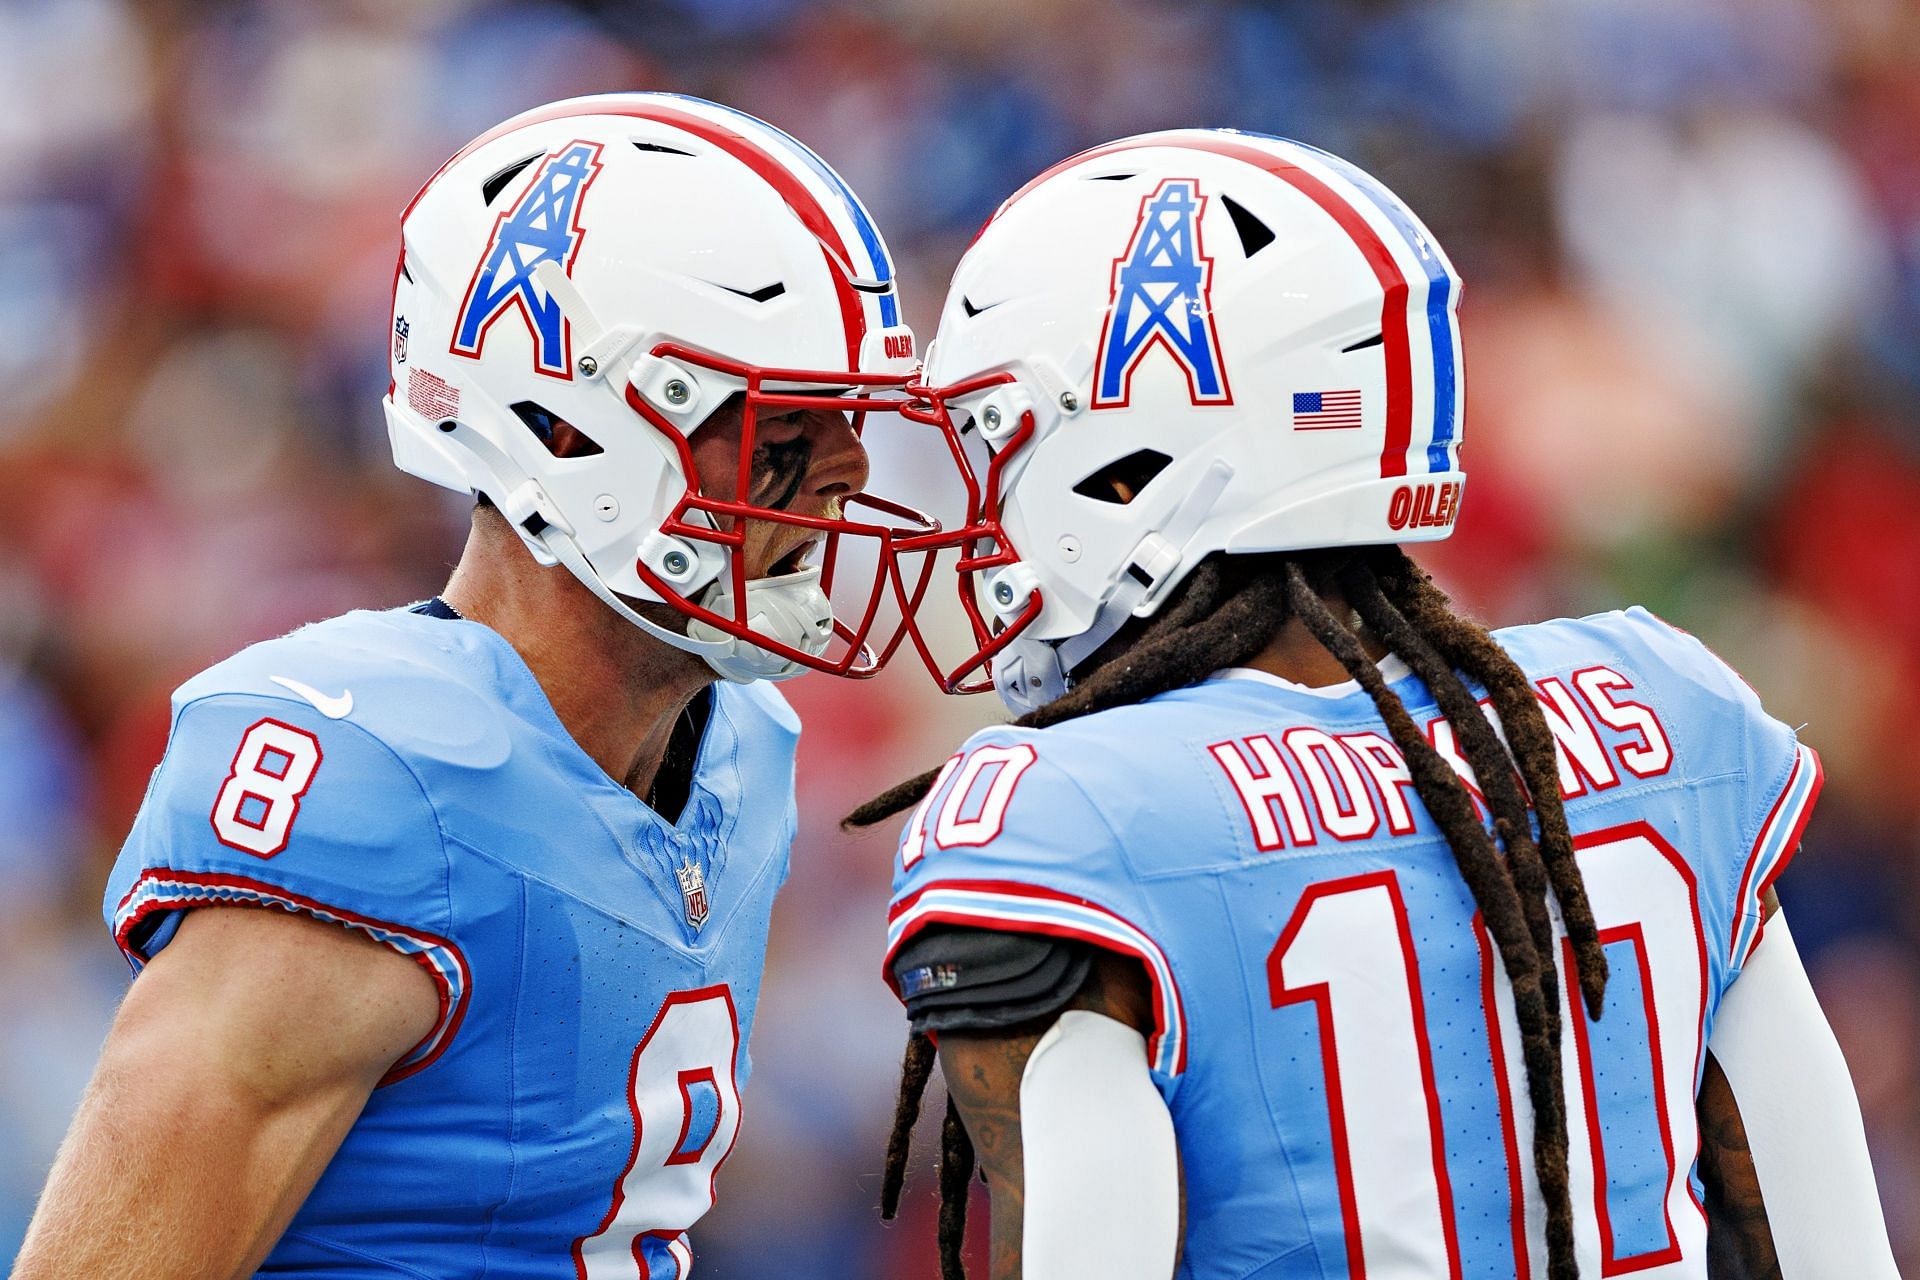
(693, 892)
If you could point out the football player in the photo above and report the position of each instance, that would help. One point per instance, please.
(1299, 926)
(449, 921)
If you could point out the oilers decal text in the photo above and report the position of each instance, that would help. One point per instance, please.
(1424, 506)
(542, 226)
(1161, 296)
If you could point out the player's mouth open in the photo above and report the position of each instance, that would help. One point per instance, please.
(795, 560)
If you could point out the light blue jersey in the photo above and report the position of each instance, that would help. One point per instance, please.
(403, 775)
(1334, 1037)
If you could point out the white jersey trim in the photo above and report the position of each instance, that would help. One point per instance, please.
(1024, 908)
(1391, 669)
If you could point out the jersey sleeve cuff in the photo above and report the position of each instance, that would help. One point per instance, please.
(163, 890)
(1021, 908)
(1772, 850)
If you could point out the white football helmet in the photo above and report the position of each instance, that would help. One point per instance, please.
(628, 263)
(1254, 338)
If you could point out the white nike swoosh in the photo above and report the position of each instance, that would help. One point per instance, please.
(331, 708)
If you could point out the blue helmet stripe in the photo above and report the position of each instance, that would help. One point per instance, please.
(869, 234)
(1439, 324)
(1440, 286)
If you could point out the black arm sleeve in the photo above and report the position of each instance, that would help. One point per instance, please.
(961, 979)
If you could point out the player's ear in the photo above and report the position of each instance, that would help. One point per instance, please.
(571, 442)
(561, 438)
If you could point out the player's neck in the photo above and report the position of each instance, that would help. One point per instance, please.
(1295, 655)
(617, 690)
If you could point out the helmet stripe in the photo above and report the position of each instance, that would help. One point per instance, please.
(812, 214)
(1446, 394)
(862, 221)
(1441, 284)
(1394, 326)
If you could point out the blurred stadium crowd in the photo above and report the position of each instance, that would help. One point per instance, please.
(1691, 233)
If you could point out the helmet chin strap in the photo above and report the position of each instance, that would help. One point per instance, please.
(790, 608)
(1032, 673)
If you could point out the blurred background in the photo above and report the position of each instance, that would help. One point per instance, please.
(1690, 231)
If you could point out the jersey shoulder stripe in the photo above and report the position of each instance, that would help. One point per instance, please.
(164, 889)
(1773, 849)
(1029, 908)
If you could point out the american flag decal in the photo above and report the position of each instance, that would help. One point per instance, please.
(1325, 410)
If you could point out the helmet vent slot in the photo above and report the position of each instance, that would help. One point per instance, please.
(663, 150)
(547, 429)
(1109, 177)
(491, 187)
(765, 293)
(1255, 235)
(1364, 343)
(1121, 481)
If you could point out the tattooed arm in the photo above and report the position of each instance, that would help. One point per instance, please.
(983, 1079)
(985, 1074)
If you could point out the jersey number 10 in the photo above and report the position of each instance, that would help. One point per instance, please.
(1348, 951)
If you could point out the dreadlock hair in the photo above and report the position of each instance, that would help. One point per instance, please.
(1226, 612)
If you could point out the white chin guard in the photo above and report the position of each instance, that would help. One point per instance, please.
(1029, 675)
(791, 609)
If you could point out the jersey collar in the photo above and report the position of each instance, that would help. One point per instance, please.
(1392, 669)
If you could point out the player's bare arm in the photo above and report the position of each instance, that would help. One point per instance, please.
(983, 1079)
(1739, 1240)
(235, 1067)
(984, 1074)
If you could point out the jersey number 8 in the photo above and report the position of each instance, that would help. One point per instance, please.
(258, 802)
(686, 1113)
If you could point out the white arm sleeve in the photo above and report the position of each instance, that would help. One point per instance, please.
(1802, 1119)
(1102, 1173)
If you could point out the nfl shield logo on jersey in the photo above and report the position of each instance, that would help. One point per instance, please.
(693, 891)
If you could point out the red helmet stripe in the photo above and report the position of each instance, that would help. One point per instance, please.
(1386, 269)
(812, 214)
